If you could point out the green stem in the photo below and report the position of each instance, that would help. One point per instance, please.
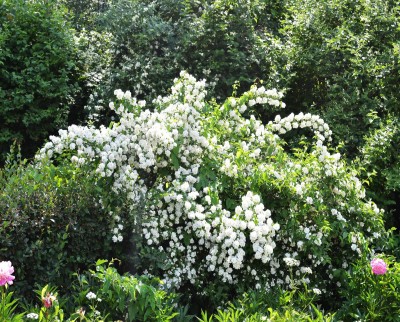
(2, 302)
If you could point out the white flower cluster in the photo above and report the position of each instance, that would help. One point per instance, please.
(301, 120)
(32, 316)
(260, 95)
(229, 241)
(91, 296)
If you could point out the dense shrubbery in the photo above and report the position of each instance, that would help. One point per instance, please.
(52, 224)
(343, 57)
(151, 42)
(342, 63)
(37, 73)
(140, 48)
(83, 13)
(333, 59)
(379, 162)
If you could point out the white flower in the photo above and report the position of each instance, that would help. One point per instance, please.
(32, 316)
(128, 95)
(317, 291)
(91, 296)
(119, 94)
(291, 261)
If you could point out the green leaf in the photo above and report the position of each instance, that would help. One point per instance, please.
(174, 157)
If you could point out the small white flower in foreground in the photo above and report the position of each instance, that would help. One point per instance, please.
(32, 316)
(91, 296)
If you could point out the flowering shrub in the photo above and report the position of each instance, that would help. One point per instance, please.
(218, 199)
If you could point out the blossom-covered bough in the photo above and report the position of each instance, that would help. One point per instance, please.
(217, 198)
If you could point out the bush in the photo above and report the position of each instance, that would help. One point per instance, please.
(342, 63)
(37, 74)
(52, 224)
(216, 200)
(380, 164)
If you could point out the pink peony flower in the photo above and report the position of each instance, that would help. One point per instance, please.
(378, 266)
(5, 273)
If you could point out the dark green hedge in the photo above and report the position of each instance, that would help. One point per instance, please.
(38, 72)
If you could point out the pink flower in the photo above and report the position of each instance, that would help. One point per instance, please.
(48, 300)
(5, 273)
(378, 266)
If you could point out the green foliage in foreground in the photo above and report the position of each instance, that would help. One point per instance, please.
(127, 297)
(102, 294)
(8, 306)
(296, 305)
